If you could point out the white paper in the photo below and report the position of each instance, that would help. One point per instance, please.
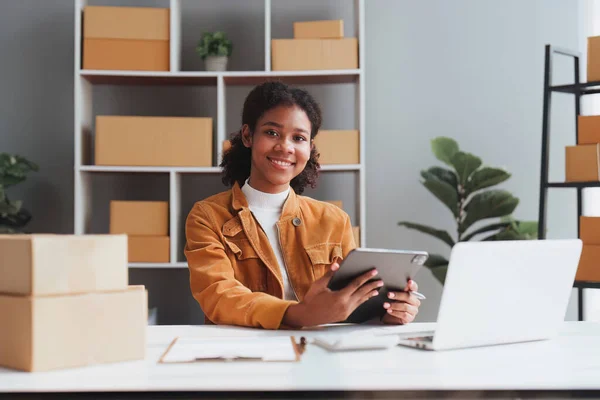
(274, 348)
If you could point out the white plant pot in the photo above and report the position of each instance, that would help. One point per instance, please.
(216, 63)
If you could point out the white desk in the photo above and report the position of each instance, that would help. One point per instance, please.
(570, 362)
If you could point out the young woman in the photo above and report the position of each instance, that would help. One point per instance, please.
(260, 254)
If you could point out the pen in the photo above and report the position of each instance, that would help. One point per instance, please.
(418, 295)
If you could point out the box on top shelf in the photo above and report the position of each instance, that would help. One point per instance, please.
(314, 54)
(154, 141)
(588, 129)
(593, 59)
(338, 146)
(145, 218)
(323, 29)
(52, 264)
(126, 38)
(582, 163)
(53, 332)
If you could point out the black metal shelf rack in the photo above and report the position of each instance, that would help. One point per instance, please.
(578, 89)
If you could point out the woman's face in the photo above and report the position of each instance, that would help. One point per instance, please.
(280, 146)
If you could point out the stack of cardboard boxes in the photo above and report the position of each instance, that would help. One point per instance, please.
(146, 224)
(65, 302)
(126, 38)
(317, 45)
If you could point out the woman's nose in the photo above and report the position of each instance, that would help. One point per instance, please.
(285, 146)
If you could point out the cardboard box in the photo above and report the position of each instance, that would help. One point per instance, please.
(332, 29)
(314, 54)
(126, 38)
(336, 203)
(589, 264)
(356, 232)
(149, 218)
(53, 332)
(154, 249)
(52, 264)
(588, 129)
(338, 146)
(582, 163)
(593, 59)
(154, 141)
(589, 230)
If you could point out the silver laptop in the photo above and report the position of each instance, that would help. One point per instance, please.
(503, 292)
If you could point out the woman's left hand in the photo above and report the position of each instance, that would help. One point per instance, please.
(402, 307)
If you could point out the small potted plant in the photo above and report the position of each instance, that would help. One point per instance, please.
(214, 48)
(13, 170)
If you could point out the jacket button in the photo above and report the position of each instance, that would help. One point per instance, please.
(297, 221)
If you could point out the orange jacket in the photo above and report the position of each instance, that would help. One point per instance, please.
(234, 274)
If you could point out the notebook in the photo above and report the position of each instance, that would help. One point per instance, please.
(197, 349)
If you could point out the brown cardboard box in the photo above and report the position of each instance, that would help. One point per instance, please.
(588, 129)
(338, 146)
(51, 264)
(582, 163)
(139, 217)
(589, 264)
(52, 332)
(314, 54)
(154, 249)
(126, 38)
(154, 141)
(356, 232)
(332, 29)
(593, 59)
(336, 202)
(589, 230)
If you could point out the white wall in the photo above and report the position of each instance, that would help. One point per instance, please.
(472, 70)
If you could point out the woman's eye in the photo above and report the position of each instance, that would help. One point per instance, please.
(271, 133)
(300, 138)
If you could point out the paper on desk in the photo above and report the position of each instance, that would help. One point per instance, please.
(190, 349)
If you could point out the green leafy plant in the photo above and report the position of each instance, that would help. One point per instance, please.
(13, 170)
(460, 189)
(214, 44)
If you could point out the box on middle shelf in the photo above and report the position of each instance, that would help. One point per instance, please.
(588, 129)
(154, 141)
(589, 265)
(338, 146)
(126, 38)
(314, 54)
(582, 163)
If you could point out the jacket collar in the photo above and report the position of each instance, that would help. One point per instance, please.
(290, 207)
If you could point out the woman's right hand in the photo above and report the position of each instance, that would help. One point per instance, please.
(322, 305)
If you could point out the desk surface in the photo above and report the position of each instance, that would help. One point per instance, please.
(569, 362)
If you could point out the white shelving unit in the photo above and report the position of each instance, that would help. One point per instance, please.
(86, 79)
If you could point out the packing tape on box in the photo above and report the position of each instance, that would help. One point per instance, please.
(591, 208)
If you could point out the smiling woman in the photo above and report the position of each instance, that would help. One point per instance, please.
(260, 254)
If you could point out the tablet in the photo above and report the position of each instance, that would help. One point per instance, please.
(394, 267)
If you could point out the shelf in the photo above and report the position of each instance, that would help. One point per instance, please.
(196, 170)
(582, 88)
(102, 77)
(572, 184)
(586, 285)
(159, 265)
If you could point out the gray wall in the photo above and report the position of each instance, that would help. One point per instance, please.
(469, 69)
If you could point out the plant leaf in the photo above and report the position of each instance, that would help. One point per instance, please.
(443, 191)
(435, 260)
(442, 174)
(487, 228)
(485, 177)
(442, 235)
(440, 273)
(488, 204)
(444, 149)
(465, 164)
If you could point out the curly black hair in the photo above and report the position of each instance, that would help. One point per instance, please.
(264, 97)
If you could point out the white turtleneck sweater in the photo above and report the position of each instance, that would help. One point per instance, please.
(267, 208)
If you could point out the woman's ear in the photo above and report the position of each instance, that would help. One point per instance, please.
(246, 136)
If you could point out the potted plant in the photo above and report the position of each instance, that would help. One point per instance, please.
(13, 170)
(215, 48)
(460, 189)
